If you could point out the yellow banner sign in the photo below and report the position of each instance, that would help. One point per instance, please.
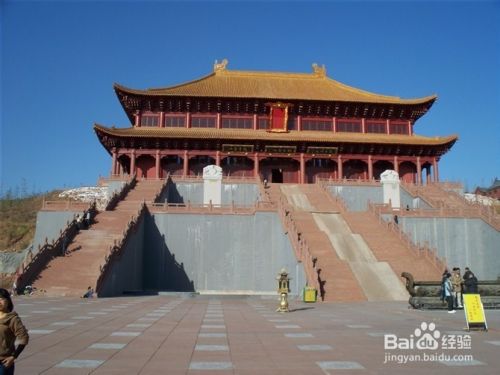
(474, 312)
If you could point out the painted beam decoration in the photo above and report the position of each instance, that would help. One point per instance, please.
(280, 149)
(237, 148)
(322, 150)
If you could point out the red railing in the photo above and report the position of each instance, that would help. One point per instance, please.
(420, 251)
(34, 263)
(115, 250)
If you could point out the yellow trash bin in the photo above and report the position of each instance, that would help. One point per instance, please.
(309, 294)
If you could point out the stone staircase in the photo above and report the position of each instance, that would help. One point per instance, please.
(335, 276)
(72, 274)
(387, 247)
(369, 259)
(435, 195)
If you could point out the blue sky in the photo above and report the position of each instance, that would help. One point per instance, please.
(59, 60)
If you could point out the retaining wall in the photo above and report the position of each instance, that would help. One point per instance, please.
(222, 253)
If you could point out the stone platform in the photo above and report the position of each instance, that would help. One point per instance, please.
(181, 334)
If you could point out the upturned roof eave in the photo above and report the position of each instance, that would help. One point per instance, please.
(429, 100)
(252, 135)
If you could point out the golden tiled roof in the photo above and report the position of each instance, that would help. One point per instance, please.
(224, 83)
(252, 135)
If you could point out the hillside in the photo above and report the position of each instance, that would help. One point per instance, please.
(18, 220)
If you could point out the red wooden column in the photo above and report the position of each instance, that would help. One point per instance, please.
(185, 164)
(132, 162)
(299, 123)
(370, 167)
(218, 124)
(137, 119)
(113, 162)
(255, 122)
(217, 158)
(436, 170)
(334, 124)
(339, 167)
(419, 171)
(363, 125)
(256, 165)
(396, 164)
(387, 126)
(410, 128)
(188, 119)
(162, 119)
(157, 163)
(302, 168)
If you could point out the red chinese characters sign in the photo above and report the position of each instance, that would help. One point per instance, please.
(278, 117)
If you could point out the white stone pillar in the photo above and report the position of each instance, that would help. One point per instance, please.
(390, 185)
(212, 185)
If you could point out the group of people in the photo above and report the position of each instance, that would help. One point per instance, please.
(453, 285)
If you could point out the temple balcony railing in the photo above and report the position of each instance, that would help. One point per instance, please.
(190, 208)
(347, 181)
(448, 203)
(225, 179)
(66, 205)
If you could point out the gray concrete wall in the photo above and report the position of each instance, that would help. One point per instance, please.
(182, 192)
(115, 187)
(223, 253)
(357, 197)
(126, 273)
(412, 203)
(462, 242)
(49, 224)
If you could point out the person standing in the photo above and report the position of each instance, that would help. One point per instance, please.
(12, 333)
(470, 282)
(448, 292)
(456, 281)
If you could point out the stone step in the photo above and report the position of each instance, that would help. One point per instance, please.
(72, 274)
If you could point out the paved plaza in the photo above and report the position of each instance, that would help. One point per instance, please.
(181, 334)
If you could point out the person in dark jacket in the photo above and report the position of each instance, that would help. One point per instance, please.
(470, 282)
(13, 334)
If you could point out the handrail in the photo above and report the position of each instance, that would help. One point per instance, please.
(66, 205)
(426, 251)
(300, 245)
(115, 250)
(212, 208)
(348, 181)
(33, 264)
(119, 196)
(199, 178)
(462, 208)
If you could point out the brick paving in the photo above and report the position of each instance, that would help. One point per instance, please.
(181, 334)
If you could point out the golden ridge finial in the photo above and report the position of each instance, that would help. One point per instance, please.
(218, 67)
(319, 71)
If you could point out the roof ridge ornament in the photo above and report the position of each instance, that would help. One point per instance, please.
(319, 71)
(219, 67)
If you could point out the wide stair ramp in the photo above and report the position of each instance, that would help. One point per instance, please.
(375, 276)
(72, 274)
(387, 247)
(336, 278)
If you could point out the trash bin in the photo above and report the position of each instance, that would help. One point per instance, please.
(309, 294)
